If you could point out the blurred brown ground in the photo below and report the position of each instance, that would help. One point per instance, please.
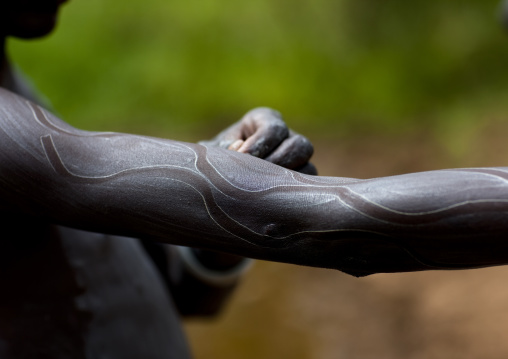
(285, 311)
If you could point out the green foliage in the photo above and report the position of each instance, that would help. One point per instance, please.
(176, 66)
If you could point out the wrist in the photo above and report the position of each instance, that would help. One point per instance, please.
(218, 273)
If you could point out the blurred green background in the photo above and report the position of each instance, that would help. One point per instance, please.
(189, 68)
(380, 86)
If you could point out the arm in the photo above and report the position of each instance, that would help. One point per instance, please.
(217, 199)
(201, 281)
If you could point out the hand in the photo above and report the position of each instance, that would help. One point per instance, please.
(262, 133)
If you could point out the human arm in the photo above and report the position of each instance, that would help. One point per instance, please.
(213, 198)
(201, 281)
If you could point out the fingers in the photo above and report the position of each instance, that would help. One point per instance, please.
(267, 136)
(263, 131)
(236, 145)
(293, 153)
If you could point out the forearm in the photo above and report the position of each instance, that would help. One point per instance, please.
(217, 199)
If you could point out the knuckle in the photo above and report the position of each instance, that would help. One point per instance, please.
(279, 128)
(303, 144)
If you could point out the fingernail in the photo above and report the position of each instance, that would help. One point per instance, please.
(235, 145)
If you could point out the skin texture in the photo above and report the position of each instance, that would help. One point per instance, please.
(71, 293)
(159, 189)
(77, 294)
(97, 290)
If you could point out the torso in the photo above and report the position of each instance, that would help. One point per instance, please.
(73, 294)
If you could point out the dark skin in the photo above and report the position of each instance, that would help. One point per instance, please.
(262, 131)
(38, 269)
(72, 293)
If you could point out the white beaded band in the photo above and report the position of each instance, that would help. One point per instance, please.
(218, 278)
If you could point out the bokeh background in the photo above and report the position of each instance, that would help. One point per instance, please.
(381, 87)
